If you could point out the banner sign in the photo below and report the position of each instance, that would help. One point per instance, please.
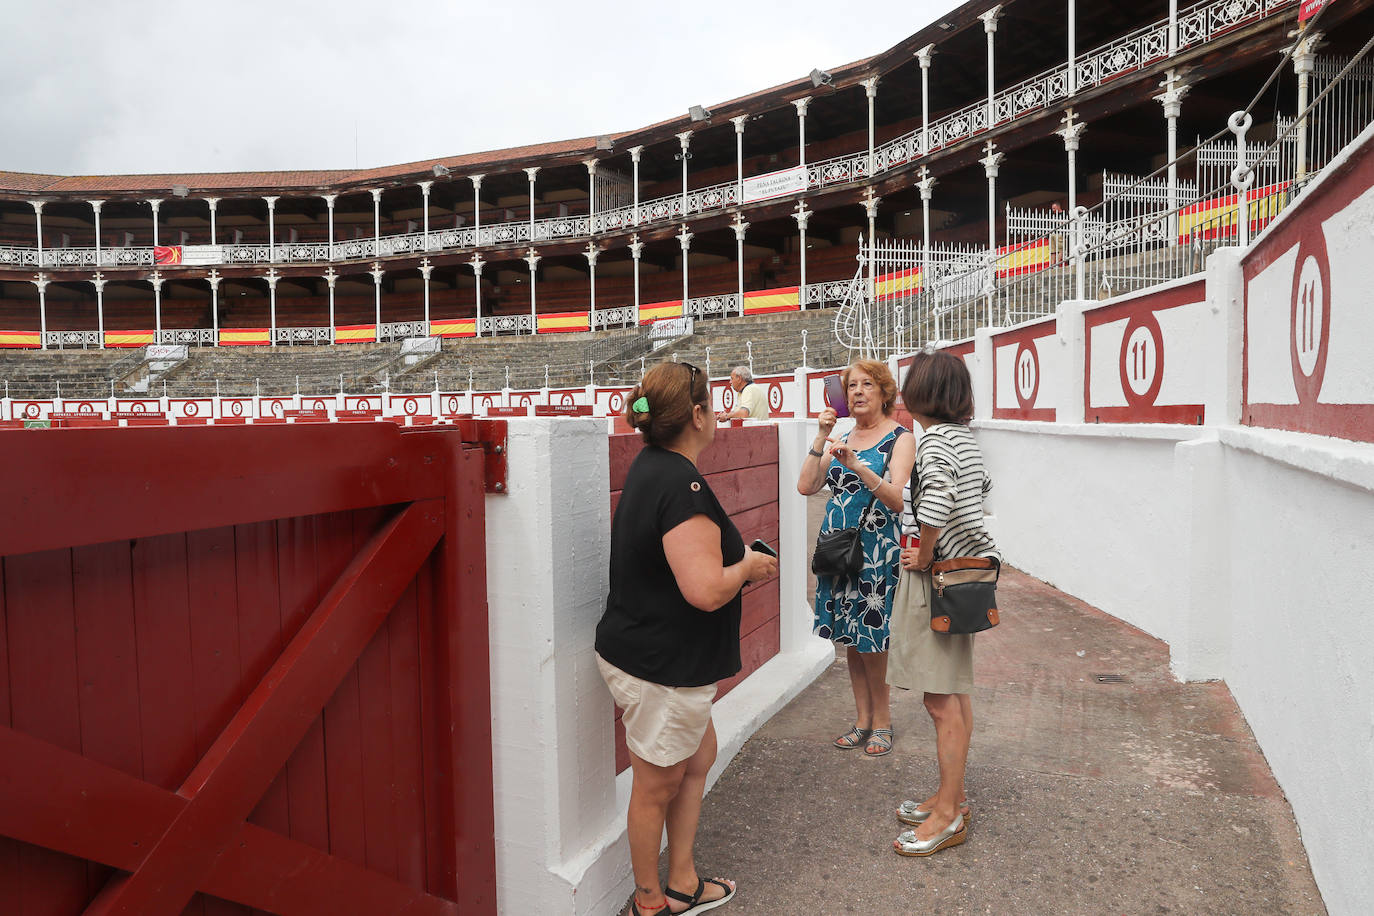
(1308, 8)
(775, 184)
(202, 255)
(670, 328)
(166, 352)
(167, 254)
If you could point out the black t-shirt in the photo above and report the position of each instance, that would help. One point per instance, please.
(649, 630)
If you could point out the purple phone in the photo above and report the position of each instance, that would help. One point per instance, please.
(835, 396)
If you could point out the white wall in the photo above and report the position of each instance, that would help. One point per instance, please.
(560, 807)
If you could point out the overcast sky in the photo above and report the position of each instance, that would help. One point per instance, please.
(136, 86)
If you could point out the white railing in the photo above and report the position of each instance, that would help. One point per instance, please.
(64, 339)
(200, 337)
(490, 325)
(1198, 24)
(402, 330)
(616, 317)
(712, 306)
(292, 336)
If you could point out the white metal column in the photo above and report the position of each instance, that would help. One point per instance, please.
(329, 206)
(213, 203)
(684, 238)
(1070, 132)
(801, 106)
(424, 193)
(331, 277)
(156, 204)
(990, 27)
(426, 269)
(96, 205)
(38, 230)
(531, 173)
(40, 280)
(476, 207)
(376, 222)
(923, 58)
(871, 92)
(739, 123)
(476, 263)
(634, 165)
(591, 254)
(636, 249)
(271, 229)
(532, 259)
(272, 278)
(740, 226)
(1172, 100)
(684, 140)
(377, 274)
(155, 278)
(98, 281)
(213, 277)
(801, 215)
(591, 194)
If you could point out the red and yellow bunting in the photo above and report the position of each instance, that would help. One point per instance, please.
(1216, 217)
(657, 311)
(355, 333)
(128, 338)
(1026, 258)
(20, 339)
(244, 337)
(898, 283)
(564, 322)
(453, 327)
(765, 301)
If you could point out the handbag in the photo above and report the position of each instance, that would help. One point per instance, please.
(840, 553)
(963, 595)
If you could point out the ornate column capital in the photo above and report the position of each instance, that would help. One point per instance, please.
(329, 200)
(157, 280)
(739, 122)
(684, 238)
(924, 55)
(155, 203)
(476, 263)
(377, 272)
(684, 139)
(801, 105)
(591, 165)
(98, 279)
(926, 184)
(636, 246)
(591, 253)
(1172, 97)
(96, 204)
(272, 201)
(531, 172)
(870, 202)
(425, 186)
(634, 153)
(272, 277)
(532, 259)
(41, 281)
(1305, 52)
(476, 181)
(1071, 130)
(376, 195)
(870, 87)
(213, 202)
(37, 205)
(426, 268)
(213, 277)
(991, 159)
(990, 18)
(801, 215)
(739, 225)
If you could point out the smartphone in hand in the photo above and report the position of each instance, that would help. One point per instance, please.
(835, 396)
(762, 547)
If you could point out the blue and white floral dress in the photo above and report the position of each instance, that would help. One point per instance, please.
(856, 611)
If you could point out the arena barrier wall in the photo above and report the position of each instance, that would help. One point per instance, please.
(247, 683)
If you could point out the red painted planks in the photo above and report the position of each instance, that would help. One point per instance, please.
(406, 729)
(107, 656)
(217, 688)
(374, 706)
(162, 618)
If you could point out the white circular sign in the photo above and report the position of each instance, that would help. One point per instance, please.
(1026, 374)
(1307, 316)
(1142, 360)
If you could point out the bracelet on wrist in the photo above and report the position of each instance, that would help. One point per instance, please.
(815, 454)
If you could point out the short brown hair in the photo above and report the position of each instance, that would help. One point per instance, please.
(938, 386)
(882, 377)
(671, 390)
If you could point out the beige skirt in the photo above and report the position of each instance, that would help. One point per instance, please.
(918, 658)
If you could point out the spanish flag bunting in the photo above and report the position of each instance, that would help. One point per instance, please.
(355, 333)
(453, 327)
(657, 311)
(1216, 216)
(1026, 258)
(563, 322)
(19, 339)
(244, 337)
(128, 338)
(898, 283)
(765, 301)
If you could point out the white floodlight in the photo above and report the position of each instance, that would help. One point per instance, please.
(697, 113)
(441, 170)
(180, 190)
(821, 78)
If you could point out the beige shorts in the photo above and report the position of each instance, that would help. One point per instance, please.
(663, 725)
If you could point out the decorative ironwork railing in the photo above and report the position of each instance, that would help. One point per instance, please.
(200, 337)
(616, 317)
(505, 324)
(1148, 45)
(63, 339)
(293, 336)
(401, 330)
(712, 306)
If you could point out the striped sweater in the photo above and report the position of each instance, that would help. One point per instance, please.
(950, 485)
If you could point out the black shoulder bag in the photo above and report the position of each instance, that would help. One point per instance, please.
(840, 553)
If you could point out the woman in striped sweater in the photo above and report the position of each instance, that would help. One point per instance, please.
(943, 519)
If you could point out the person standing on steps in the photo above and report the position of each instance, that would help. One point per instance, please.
(854, 612)
(671, 631)
(750, 401)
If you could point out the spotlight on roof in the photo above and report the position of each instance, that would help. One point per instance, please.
(946, 26)
(821, 78)
(180, 190)
(604, 142)
(697, 113)
(441, 170)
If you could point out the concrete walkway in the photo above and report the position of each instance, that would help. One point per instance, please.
(1139, 795)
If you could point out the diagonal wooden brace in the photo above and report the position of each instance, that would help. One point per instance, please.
(59, 800)
(235, 772)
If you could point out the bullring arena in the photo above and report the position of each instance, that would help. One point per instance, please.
(311, 473)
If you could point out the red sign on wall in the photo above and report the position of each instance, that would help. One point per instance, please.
(1308, 8)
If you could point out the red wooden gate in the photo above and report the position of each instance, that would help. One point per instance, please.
(244, 669)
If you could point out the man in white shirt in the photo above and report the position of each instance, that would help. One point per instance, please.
(750, 401)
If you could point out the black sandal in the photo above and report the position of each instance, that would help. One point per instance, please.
(694, 903)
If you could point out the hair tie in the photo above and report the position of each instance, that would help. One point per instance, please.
(641, 405)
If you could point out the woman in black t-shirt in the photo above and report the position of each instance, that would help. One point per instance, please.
(671, 630)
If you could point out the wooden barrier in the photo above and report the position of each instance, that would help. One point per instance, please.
(250, 682)
(741, 467)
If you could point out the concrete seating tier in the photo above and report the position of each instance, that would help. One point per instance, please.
(75, 373)
(275, 370)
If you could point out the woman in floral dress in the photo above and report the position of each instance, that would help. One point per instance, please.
(873, 461)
